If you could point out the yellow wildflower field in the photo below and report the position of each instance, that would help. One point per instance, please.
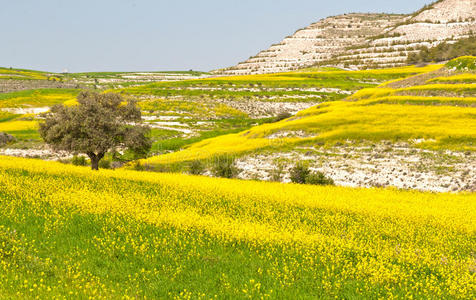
(439, 116)
(18, 125)
(70, 231)
(340, 121)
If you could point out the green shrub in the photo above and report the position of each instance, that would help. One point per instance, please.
(318, 178)
(225, 167)
(197, 167)
(105, 164)
(299, 173)
(79, 161)
(444, 51)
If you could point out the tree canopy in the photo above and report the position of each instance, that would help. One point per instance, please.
(97, 124)
(444, 51)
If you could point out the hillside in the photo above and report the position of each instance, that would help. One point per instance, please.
(126, 234)
(414, 132)
(362, 41)
(187, 111)
(391, 135)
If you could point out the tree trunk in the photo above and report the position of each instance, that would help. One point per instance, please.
(95, 158)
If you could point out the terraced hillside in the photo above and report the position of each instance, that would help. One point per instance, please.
(362, 41)
(418, 132)
(444, 21)
(126, 234)
(318, 42)
(187, 111)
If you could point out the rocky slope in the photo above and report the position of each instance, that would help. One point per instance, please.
(360, 41)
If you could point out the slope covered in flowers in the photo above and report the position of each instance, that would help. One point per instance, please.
(69, 232)
(436, 108)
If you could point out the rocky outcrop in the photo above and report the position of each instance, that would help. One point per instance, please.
(360, 41)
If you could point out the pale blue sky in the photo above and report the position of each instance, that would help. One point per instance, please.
(132, 35)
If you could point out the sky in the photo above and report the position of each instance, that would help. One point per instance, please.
(148, 35)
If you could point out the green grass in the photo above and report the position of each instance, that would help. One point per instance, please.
(26, 135)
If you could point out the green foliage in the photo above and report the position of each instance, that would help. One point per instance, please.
(224, 166)
(197, 167)
(299, 173)
(79, 161)
(444, 51)
(105, 164)
(318, 178)
(98, 124)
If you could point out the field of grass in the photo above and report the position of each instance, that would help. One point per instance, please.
(116, 234)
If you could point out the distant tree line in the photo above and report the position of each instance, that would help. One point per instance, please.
(444, 51)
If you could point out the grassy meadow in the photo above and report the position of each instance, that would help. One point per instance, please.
(127, 234)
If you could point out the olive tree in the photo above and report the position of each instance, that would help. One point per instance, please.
(97, 124)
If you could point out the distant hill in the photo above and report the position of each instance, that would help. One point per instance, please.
(361, 41)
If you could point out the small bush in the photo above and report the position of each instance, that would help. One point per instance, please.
(197, 167)
(79, 161)
(318, 178)
(105, 164)
(299, 173)
(225, 167)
